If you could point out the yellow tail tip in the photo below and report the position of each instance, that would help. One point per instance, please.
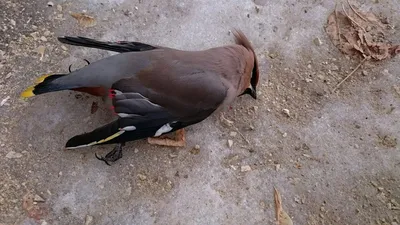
(28, 92)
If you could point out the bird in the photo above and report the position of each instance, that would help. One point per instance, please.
(155, 90)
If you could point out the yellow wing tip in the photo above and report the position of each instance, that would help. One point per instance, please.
(28, 92)
(42, 78)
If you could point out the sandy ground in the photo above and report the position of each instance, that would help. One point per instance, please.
(335, 159)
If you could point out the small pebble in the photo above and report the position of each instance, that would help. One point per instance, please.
(364, 73)
(13, 155)
(13, 23)
(233, 134)
(173, 155)
(286, 112)
(284, 135)
(4, 101)
(142, 176)
(59, 8)
(308, 80)
(43, 38)
(50, 4)
(197, 147)
(34, 35)
(88, 220)
(321, 77)
(136, 150)
(277, 167)
(245, 168)
(317, 41)
(64, 48)
(46, 33)
(37, 198)
(230, 143)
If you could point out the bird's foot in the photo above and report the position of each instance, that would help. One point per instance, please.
(112, 156)
(178, 141)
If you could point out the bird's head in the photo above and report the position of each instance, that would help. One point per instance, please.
(251, 89)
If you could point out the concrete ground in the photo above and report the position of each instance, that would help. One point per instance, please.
(335, 159)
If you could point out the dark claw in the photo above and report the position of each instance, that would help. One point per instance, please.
(112, 156)
(101, 159)
(87, 61)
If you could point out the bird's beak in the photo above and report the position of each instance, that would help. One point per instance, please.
(250, 91)
(253, 93)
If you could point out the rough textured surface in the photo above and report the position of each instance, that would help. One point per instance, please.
(335, 158)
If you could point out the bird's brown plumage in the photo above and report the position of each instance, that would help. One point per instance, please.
(159, 89)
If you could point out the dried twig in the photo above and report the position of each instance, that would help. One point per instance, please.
(351, 73)
(230, 124)
(240, 133)
(337, 25)
(356, 12)
(352, 20)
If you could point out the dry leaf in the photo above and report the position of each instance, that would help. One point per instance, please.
(281, 216)
(84, 20)
(360, 34)
(35, 211)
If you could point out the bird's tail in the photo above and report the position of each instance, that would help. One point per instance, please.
(102, 135)
(44, 84)
(122, 46)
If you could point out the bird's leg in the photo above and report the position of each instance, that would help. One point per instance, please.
(178, 141)
(112, 156)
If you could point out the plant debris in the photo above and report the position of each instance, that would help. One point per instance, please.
(356, 33)
(41, 50)
(94, 107)
(349, 75)
(84, 20)
(4, 101)
(281, 216)
(34, 209)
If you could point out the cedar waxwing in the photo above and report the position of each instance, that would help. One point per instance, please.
(155, 90)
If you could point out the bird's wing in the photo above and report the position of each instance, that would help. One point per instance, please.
(149, 105)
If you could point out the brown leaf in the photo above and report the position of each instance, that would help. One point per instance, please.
(35, 211)
(360, 34)
(84, 20)
(281, 216)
